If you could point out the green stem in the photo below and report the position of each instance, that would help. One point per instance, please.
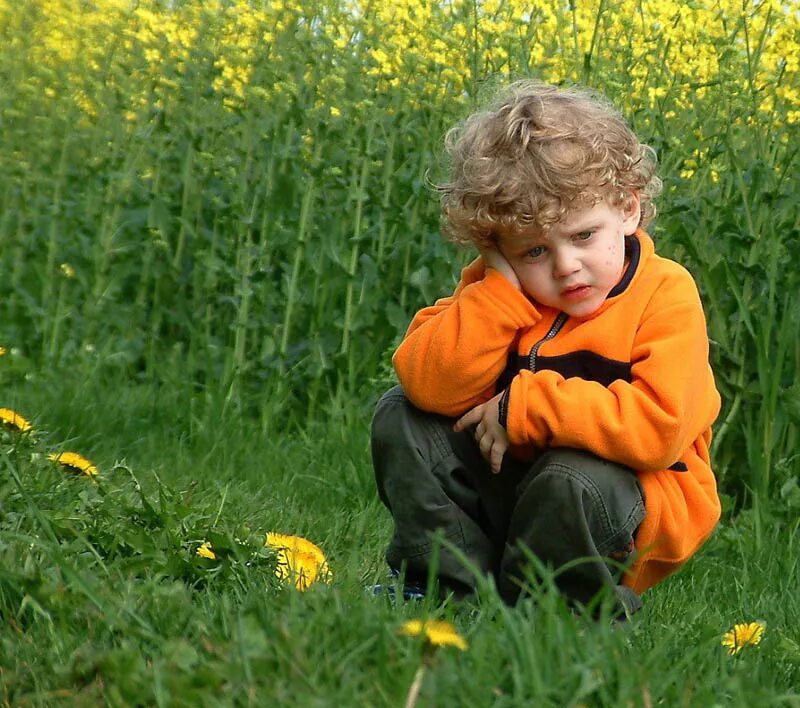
(305, 211)
(354, 252)
(416, 686)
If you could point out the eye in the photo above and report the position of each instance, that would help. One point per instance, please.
(584, 235)
(536, 252)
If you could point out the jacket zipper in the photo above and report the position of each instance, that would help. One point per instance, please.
(555, 328)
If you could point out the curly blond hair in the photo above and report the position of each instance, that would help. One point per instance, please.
(535, 153)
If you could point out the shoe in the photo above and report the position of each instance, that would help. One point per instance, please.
(410, 591)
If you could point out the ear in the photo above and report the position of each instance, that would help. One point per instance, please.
(632, 214)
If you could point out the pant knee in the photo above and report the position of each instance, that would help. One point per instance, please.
(392, 407)
(576, 488)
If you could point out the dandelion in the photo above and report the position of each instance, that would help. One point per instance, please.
(437, 633)
(205, 551)
(298, 560)
(12, 419)
(3, 351)
(74, 462)
(743, 635)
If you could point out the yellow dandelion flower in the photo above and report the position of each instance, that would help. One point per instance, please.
(299, 560)
(12, 419)
(205, 551)
(74, 462)
(3, 351)
(436, 632)
(67, 270)
(743, 635)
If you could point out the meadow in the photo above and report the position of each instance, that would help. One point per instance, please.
(216, 222)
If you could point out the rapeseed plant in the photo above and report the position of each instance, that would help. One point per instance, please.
(663, 47)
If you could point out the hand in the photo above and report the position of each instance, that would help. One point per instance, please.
(493, 258)
(491, 436)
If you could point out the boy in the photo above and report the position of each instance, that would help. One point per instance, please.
(560, 401)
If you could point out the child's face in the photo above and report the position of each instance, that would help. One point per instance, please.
(578, 261)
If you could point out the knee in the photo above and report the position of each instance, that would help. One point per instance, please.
(597, 494)
(583, 471)
(562, 469)
(391, 413)
(563, 491)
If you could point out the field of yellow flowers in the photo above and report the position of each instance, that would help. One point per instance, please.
(216, 223)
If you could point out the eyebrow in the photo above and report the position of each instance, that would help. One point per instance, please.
(580, 227)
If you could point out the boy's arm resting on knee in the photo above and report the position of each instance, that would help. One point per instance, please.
(646, 424)
(455, 350)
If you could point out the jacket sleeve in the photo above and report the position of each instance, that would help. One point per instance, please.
(646, 424)
(455, 350)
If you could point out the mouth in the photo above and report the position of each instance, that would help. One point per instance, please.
(578, 292)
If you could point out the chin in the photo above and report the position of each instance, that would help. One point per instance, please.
(582, 310)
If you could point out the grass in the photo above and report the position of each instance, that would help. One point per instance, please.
(105, 600)
(211, 243)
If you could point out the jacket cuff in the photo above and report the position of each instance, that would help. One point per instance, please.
(507, 299)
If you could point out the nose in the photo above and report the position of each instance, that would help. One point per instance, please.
(565, 262)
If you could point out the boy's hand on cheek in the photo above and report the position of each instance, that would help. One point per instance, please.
(491, 436)
(493, 258)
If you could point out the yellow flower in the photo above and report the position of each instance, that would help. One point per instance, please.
(205, 551)
(67, 270)
(3, 351)
(12, 419)
(299, 560)
(743, 635)
(436, 632)
(74, 462)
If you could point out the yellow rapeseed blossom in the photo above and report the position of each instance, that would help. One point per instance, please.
(67, 270)
(743, 635)
(12, 419)
(205, 551)
(74, 462)
(660, 50)
(299, 560)
(436, 632)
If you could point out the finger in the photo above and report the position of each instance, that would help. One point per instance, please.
(496, 455)
(466, 420)
(485, 445)
(480, 430)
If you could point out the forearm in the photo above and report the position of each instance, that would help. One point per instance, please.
(454, 353)
(646, 422)
(624, 423)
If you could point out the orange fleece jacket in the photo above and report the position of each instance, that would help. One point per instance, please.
(630, 383)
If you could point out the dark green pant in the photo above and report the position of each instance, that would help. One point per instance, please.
(565, 506)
